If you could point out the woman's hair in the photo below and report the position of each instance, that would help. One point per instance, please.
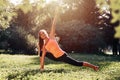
(41, 41)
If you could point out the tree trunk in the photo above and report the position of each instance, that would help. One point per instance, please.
(119, 47)
(115, 46)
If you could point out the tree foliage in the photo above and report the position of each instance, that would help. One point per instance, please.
(6, 14)
(114, 6)
(78, 24)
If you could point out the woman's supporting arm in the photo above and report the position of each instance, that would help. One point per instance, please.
(38, 48)
(42, 59)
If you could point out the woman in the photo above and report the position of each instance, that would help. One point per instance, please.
(49, 47)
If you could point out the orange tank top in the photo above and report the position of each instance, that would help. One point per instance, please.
(53, 47)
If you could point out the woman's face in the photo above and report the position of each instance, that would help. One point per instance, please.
(43, 35)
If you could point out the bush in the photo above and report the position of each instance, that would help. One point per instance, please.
(19, 40)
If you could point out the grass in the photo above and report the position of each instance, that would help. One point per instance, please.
(25, 67)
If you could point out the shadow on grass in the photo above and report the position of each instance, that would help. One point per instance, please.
(117, 78)
(115, 58)
(33, 72)
(114, 78)
(47, 61)
(55, 71)
(23, 74)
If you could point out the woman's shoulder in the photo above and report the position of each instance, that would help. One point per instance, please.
(51, 38)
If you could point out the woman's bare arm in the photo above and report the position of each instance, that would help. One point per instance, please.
(38, 48)
(42, 59)
(52, 32)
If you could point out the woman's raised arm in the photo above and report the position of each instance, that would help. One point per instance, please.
(52, 32)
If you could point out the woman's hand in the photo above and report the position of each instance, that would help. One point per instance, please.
(42, 68)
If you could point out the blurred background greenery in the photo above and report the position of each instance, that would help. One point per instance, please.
(83, 26)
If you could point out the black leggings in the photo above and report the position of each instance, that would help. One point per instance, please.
(64, 58)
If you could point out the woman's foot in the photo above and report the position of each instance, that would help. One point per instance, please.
(91, 66)
(96, 68)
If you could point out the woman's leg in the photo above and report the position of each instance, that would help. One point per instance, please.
(50, 56)
(86, 64)
(67, 59)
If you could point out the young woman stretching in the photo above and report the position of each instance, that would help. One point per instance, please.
(49, 47)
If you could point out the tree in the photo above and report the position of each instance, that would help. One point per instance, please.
(115, 12)
(31, 17)
(115, 21)
(6, 14)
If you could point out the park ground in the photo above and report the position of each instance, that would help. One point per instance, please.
(26, 67)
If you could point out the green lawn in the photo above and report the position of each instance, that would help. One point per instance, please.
(24, 67)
